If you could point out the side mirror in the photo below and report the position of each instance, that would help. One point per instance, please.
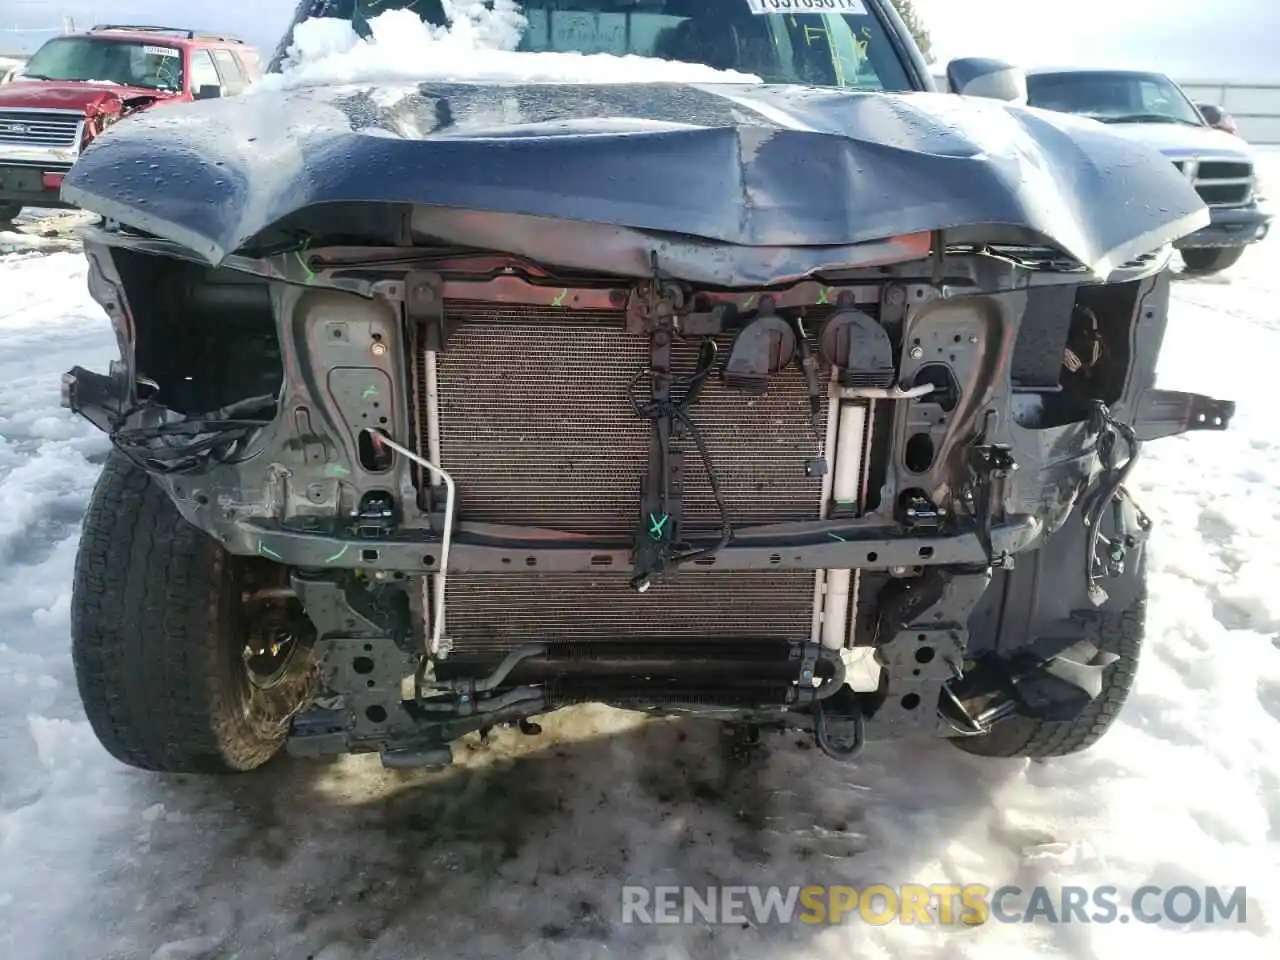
(981, 77)
(1212, 114)
(209, 91)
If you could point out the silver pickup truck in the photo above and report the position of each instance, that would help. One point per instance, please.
(1152, 109)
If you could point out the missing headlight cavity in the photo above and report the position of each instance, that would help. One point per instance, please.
(206, 337)
(946, 391)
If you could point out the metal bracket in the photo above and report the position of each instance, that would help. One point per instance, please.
(424, 304)
(1167, 413)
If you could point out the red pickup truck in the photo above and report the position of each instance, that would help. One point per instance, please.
(76, 85)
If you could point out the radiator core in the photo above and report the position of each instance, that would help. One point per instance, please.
(537, 429)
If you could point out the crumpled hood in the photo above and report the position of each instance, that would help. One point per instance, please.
(52, 95)
(754, 165)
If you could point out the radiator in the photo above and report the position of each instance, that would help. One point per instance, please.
(536, 429)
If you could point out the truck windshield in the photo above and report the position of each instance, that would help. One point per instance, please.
(130, 63)
(1113, 97)
(834, 43)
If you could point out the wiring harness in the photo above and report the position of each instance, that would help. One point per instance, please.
(190, 443)
(671, 556)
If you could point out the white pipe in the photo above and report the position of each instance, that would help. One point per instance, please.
(847, 469)
(886, 393)
(846, 488)
(829, 452)
(433, 414)
(437, 618)
(835, 613)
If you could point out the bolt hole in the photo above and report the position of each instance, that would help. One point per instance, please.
(922, 637)
(909, 702)
(924, 655)
(369, 647)
(506, 560)
(956, 338)
(373, 683)
(202, 499)
(872, 557)
(362, 665)
(378, 714)
(918, 455)
(429, 561)
(915, 672)
(926, 553)
(382, 419)
(530, 561)
(915, 342)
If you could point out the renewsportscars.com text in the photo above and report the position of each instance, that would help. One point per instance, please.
(943, 904)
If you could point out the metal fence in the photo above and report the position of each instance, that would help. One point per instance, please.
(1256, 107)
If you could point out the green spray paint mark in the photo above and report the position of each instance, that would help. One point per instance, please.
(559, 300)
(749, 302)
(268, 552)
(336, 470)
(338, 556)
(836, 536)
(656, 526)
(369, 391)
(824, 296)
(302, 262)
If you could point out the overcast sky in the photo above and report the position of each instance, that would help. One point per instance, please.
(1192, 39)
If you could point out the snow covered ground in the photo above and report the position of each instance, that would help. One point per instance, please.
(520, 849)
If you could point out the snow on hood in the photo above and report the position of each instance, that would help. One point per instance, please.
(479, 44)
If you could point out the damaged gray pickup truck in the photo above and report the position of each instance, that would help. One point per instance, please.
(803, 405)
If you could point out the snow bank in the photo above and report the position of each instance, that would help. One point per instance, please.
(479, 44)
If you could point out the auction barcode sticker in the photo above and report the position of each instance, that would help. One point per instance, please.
(760, 7)
(160, 51)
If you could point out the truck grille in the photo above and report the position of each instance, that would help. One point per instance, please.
(537, 430)
(40, 128)
(1220, 183)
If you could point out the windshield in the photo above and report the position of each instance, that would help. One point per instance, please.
(130, 63)
(1113, 97)
(848, 49)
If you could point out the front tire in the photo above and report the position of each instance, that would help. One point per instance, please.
(1203, 260)
(163, 643)
(1119, 632)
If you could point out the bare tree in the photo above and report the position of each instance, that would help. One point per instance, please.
(916, 25)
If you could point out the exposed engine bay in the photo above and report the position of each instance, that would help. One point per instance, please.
(498, 489)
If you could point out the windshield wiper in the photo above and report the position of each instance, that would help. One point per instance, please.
(1147, 118)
